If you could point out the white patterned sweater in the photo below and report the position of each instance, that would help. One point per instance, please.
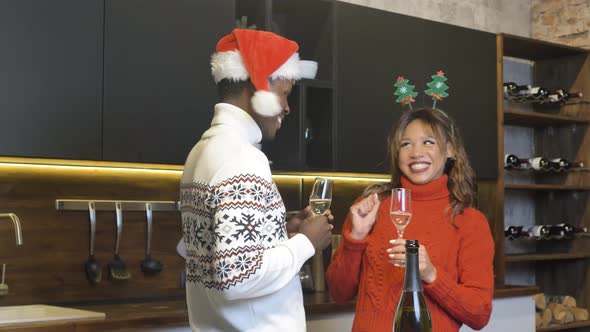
(242, 270)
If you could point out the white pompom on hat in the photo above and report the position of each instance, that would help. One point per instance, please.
(258, 56)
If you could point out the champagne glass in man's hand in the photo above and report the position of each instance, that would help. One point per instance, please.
(321, 196)
(317, 227)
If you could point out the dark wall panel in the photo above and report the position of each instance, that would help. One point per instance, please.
(468, 58)
(381, 46)
(159, 94)
(372, 53)
(51, 78)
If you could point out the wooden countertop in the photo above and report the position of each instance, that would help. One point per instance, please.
(173, 313)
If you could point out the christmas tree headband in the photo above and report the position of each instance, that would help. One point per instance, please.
(436, 90)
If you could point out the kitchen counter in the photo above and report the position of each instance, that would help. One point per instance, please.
(160, 314)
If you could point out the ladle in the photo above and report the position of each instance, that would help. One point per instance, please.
(149, 265)
(93, 269)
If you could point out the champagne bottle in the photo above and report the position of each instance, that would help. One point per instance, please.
(512, 161)
(540, 164)
(412, 313)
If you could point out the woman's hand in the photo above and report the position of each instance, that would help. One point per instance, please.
(364, 215)
(397, 254)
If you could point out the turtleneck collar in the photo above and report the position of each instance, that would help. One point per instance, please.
(230, 118)
(436, 189)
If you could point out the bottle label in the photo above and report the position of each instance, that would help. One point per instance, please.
(536, 163)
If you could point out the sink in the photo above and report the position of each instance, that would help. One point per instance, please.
(36, 313)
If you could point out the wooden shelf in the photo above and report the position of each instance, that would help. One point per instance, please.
(548, 173)
(537, 119)
(526, 48)
(505, 291)
(545, 187)
(545, 257)
(561, 327)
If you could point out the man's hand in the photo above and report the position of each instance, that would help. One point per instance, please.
(294, 222)
(318, 229)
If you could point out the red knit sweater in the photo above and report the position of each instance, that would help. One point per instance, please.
(463, 289)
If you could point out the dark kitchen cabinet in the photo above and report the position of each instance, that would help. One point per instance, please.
(158, 90)
(307, 139)
(51, 78)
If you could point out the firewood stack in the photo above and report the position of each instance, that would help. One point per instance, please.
(557, 310)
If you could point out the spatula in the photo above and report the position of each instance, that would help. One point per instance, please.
(117, 268)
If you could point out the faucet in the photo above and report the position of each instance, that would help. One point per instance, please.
(17, 229)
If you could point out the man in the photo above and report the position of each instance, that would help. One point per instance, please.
(242, 269)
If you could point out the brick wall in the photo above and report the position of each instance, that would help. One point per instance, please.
(562, 21)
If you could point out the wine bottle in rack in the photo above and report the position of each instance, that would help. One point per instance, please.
(516, 232)
(540, 164)
(539, 232)
(512, 161)
(566, 165)
(562, 96)
(514, 89)
(538, 93)
(567, 231)
(555, 166)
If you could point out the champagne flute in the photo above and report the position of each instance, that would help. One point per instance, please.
(321, 196)
(320, 201)
(400, 212)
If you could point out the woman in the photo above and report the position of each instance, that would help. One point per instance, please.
(456, 245)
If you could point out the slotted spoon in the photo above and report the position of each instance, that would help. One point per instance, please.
(117, 268)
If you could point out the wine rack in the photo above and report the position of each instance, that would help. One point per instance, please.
(529, 127)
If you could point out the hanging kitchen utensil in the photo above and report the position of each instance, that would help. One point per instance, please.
(149, 266)
(3, 286)
(92, 267)
(117, 268)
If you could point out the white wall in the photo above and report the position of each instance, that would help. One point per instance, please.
(510, 314)
(509, 16)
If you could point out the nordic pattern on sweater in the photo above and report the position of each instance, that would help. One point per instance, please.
(240, 217)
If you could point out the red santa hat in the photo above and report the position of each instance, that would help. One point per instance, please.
(259, 56)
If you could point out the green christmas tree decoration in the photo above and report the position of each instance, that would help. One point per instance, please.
(405, 92)
(437, 87)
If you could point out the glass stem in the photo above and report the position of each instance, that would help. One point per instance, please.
(400, 234)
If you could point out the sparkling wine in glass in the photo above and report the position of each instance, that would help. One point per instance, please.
(400, 209)
(400, 212)
(321, 196)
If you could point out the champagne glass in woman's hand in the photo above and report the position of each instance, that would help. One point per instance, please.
(321, 196)
(400, 211)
